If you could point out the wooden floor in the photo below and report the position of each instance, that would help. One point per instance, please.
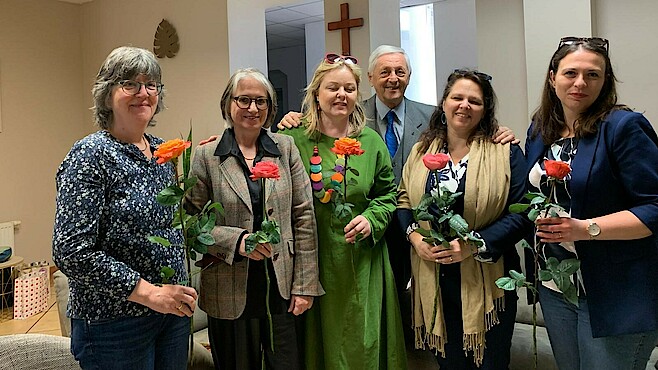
(46, 322)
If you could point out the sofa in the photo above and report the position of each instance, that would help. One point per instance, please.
(201, 358)
(36, 352)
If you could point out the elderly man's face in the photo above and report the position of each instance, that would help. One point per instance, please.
(390, 78)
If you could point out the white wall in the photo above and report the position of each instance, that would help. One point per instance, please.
(194, 79)
(315, 48)
(501, 54)
(545, 23)
(632, 30)
(456, 40)
(42, 113)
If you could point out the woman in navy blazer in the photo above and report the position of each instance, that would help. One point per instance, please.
(611, 219)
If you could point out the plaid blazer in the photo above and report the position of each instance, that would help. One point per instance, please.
(223, 290)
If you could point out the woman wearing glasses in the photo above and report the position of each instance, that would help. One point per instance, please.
(121, 315)
(357, 324)
(233, 283)
(458, 311)
(612, 203)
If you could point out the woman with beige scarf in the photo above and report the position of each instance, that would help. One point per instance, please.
(457, 309)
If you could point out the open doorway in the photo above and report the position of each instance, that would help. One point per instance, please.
(295, 36)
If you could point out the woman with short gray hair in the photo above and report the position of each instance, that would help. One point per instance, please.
(122, 316)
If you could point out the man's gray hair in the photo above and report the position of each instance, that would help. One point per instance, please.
(386, 49)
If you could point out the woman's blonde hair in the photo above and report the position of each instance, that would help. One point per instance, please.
(311, 107)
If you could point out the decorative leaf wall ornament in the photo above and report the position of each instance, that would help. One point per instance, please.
(165, 43)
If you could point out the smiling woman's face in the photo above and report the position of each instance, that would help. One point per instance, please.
(248, 118)
(338, 93)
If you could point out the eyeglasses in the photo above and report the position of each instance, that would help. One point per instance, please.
(244, 102)
(592, 41)
(481, 75)
(332, 58)
(131, 87)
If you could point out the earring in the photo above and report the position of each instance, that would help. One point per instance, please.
(444, 120)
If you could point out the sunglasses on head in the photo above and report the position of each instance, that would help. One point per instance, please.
(592, 41)
(332, 58)
(481, 75)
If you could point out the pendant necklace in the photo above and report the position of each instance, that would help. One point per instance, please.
(315, 170)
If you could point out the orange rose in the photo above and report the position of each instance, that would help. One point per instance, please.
(556, 169)
(435, 161)
(265, 170)
(171, 149)
(347, 146)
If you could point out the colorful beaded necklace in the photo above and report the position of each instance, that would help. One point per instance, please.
(321, 191)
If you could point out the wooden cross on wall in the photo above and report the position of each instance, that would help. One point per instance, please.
(344, 26)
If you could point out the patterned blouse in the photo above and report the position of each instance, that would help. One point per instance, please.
(563, 149)
(106, 209)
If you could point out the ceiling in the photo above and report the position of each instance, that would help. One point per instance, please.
(285, 24)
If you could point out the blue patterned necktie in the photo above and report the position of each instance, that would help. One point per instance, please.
(389, 137)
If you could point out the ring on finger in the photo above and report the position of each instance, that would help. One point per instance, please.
(559, 235)
(451, 259)
(179, 308)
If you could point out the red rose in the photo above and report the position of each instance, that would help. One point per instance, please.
(171, 149)
(557, 169)
(265, 170)
(347, 146)
(436, 161)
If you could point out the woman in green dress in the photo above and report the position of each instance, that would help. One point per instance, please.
(356, 324)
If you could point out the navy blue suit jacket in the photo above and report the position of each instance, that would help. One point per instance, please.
(616, 169)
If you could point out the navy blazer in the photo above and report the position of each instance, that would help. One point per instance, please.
(616, 169)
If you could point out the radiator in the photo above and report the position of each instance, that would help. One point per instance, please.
(7, 234)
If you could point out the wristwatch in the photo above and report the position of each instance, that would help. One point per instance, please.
(593, 229)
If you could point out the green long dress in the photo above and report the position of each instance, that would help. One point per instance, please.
(356, 325)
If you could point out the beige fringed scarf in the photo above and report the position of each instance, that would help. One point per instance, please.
(485, 196)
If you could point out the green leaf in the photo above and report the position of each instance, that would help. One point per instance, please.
(352, 181)
(545, 275)
(506, 283)
(458, 224)
(216, 206)
(354, 171)
(250, 243)
(531, 195)
(192, 254)
(569, 266)
(570, 294)
(537, 200)
(169, 196)
(424, 232)
(159, 240)
(209, 224)
(190, 182)
(552, 263)
(518, 207)
(423, 216)
(187, 155)
(166, 273)
(198, 247)
(206, 239)
(516, 275)
(533, 214)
